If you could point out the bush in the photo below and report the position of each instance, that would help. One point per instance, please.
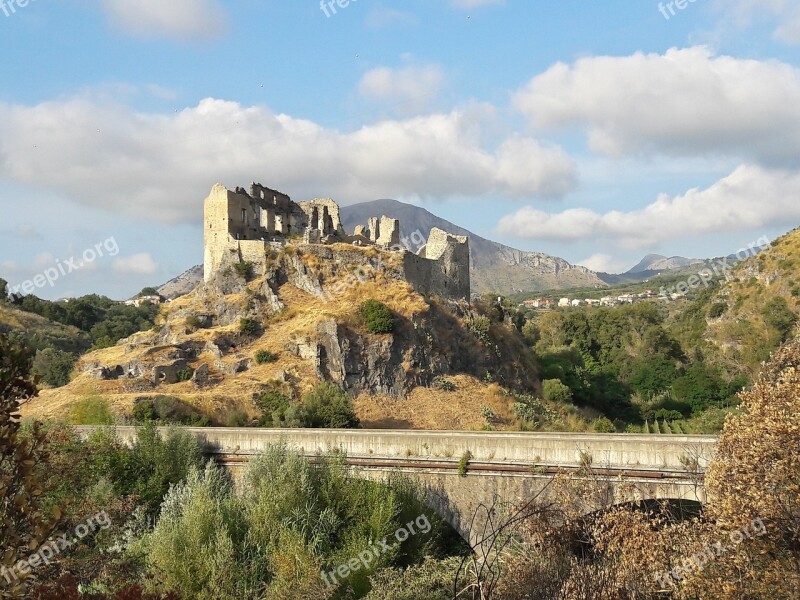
(531, 333)
(53, 366)
(555, 391)
(299, 517)
(463, 463)
(249, 326)
(440, 383)
(93, 410)
(480, 327)
(780, 317)
(194, 322)
(244, 269)
(265, 356)
(168, 410)
(379, 318)
(603, 425)
(328, 407)
(488, 414)
(717, 310)
(237, 418)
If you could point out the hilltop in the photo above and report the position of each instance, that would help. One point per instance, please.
(755, 309)
(205, 354)
(39, 332)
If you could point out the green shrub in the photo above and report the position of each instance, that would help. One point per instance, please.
(194, 322)
(298, 518)
(717, 310)
(265, 356)
(488, 414)
(480, 327)
(184, 374)
(237, 418)
(53, 366)
(463, 463)
(168, 410)
(328, 407)
(603, 425)
(93, 410)
(531, 333)
(244, 269)
(780, 317)
(249, 326)
(555, 391)
(379, 318)
(440, 383)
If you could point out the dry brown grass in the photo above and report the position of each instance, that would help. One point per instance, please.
(429, 408)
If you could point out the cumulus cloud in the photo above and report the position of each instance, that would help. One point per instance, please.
(137, 264)
(603, 263)
(686, 102)
(183, 19)
(161, 166)
(409, 89)
(749, 198)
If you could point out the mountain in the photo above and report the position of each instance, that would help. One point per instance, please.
(495, 267)
(756, 306)
(657, 262)
(183, 283)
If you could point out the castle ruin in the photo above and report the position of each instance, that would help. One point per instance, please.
(246, 226)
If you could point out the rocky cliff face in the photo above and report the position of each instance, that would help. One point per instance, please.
(306, 306)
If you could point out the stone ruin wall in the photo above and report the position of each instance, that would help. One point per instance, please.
(442, 267)
(241, 227)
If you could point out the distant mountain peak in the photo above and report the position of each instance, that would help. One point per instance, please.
(495, 267)
(658, 262)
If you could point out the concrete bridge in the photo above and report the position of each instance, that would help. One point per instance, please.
(504, 468)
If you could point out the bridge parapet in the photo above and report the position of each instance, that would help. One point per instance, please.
(614, 451)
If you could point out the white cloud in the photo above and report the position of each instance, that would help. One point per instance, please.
(137, 264)
(161, 166)
(604, 263)
(686, 102)
(381, 16)
(750, 198)
(193, 20)
(785, 14)
(409, 89)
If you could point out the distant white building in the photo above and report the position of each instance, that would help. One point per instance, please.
(577, 302)
(564, 302)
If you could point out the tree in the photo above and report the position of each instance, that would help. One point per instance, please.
(24, 526)
(756, 475)
(555, 391)
(328, 407)
(149, 291)
(53, 366)
(378, 316)
(3, 290)
(780, 317)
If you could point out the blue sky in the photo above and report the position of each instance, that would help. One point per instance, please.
(595, 131)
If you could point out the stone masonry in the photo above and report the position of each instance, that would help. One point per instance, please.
(246, 226)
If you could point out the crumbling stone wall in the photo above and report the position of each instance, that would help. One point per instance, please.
(442, 267)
